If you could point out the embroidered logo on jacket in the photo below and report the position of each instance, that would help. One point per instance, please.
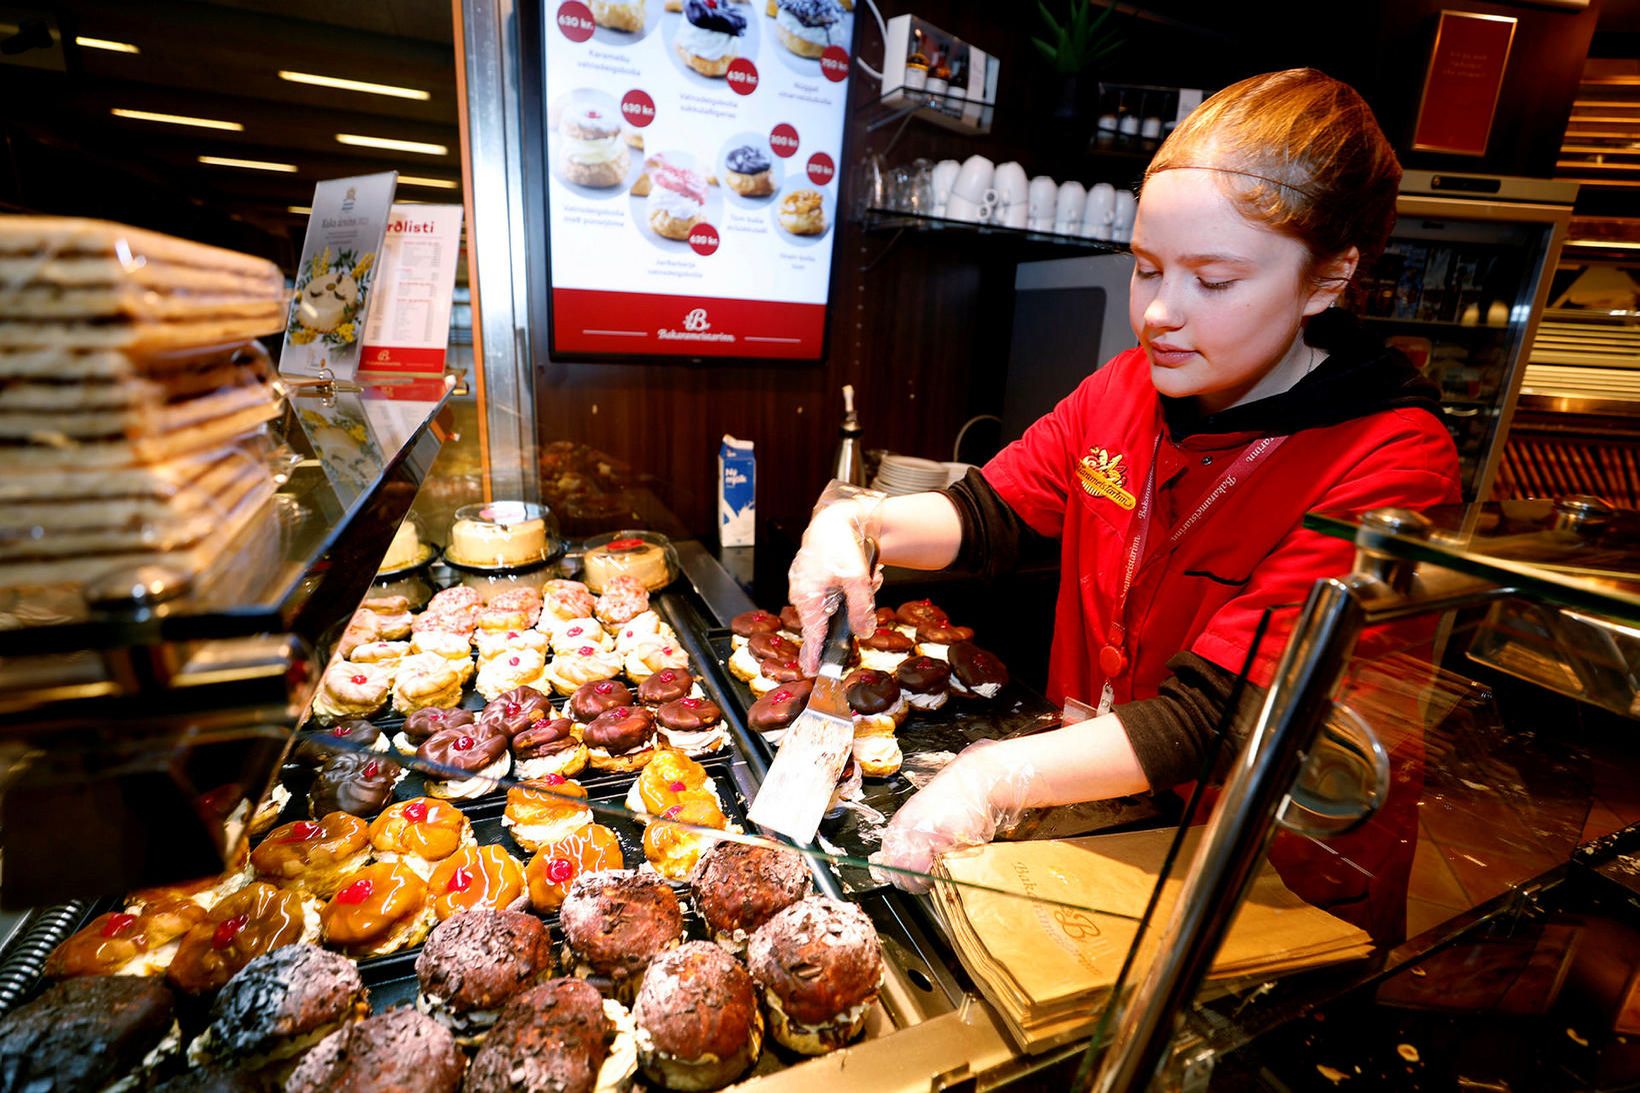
(1103, 475)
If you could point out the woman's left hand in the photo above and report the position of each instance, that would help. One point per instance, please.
(964, 805)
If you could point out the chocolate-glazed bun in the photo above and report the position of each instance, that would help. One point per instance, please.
(392, 1052)
(888, 640)
(773, 647)
(943, 633)
(748, 623)
(697, 1012)
(871, 691)
(976, 671)
(739, 887)
(545, 738)
(666, 685)
(887, 617)
(689, 714)
(357, 782)
(790, 619)
(425, 722)
(316, 748)
(516, 710)
(550, 1037)
(469, 748)
(780, 707)
(918, 612)
(783, 671)
(84, 1034)
(924, 676)
(478, 959)
(278, 1000)
(592, 699)
(621, 730)
(617, 921)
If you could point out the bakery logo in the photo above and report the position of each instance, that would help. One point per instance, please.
(349, 199)
(1103, 475)
(696, 328)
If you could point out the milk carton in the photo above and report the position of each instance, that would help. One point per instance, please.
(737, 493)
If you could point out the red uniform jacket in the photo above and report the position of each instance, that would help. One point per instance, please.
(1076, 475)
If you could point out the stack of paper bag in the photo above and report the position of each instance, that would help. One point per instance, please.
(131, 397)
(1048, 967)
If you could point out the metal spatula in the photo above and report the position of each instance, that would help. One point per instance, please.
(815, 748)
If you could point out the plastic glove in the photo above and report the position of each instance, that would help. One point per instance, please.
(832, 556)
(965, 804)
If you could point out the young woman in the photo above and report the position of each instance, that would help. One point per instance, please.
(1176, 476)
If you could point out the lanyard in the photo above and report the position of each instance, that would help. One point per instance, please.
(1112, 656)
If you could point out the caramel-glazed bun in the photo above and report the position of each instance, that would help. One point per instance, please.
(475, 876)
(111, 942)
(372, 905)
(478, 959)
(740, 887)
(257, 919)
(308, 853)
(391, 1052)
(592, 849)
(550, 1037)
(422, 827)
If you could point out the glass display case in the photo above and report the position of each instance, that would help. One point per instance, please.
(1442, 761)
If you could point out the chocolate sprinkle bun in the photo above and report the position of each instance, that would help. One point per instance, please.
(739, 887)
(399, 1051)
(475, 961)
(666, 685)
(871, 692)
(360, 783)
(925, 682)
(780, 707)
(748, 159)
(747, 623)
(621, 739)
(975, 672)
(429, 720)
(516, 710)
(592, 699)
(549, 748)
(614, 924)
(773, 647)
(553, 1038)
(698, 1018)
(279, 1005)
(314, 748)
(819, 964)
(918, 612)
(86, 1034)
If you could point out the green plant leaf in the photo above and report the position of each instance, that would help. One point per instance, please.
(1047, 17)
(1046, 50)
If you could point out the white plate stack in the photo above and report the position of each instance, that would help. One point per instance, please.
(901, 474)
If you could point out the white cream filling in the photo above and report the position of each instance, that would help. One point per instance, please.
(934, 649)
(621, 1061)
(881, 660)
(743, 664)
(698, 743)
(877, 751)
(807, 1039)
(925, 702)
(544, 765)
(635, 805)
(708, 45)
(485, 781)
(539, 835)
(818, 35)
(677, 206)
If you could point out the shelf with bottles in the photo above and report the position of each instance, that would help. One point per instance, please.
(885, 220)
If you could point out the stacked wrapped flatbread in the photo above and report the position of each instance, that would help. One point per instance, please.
(133, 398)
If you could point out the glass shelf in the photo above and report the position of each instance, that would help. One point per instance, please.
(955, 112)
(1535, 546)
(340, 458)
(878, 220)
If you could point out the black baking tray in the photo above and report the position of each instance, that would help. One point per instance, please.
(928, 740)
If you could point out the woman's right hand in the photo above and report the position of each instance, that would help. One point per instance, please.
(833, 556)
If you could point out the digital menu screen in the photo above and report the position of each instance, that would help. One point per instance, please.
(693, 150)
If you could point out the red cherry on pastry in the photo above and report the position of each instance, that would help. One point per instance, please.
(554, 779)
(342, 730)
(415, 811)
(672, 813)
(117, 924)
(575, 631)
(586, 650)
(360, 680)
(604, 688)
(513, 661)
(464, 743)
(667, 650)
(677, 787)
(460, 880)
(371, 769)
(357, 892)
(512, 635)
(560, 870)
(692, 703)
(512, 708)
(300, 832)
(668, 676)
(227, 931)
(781, 696)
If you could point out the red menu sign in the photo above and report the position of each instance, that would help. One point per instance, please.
(1461, 88)
(693, 152)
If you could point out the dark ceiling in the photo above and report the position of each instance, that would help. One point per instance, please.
(65, 152)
